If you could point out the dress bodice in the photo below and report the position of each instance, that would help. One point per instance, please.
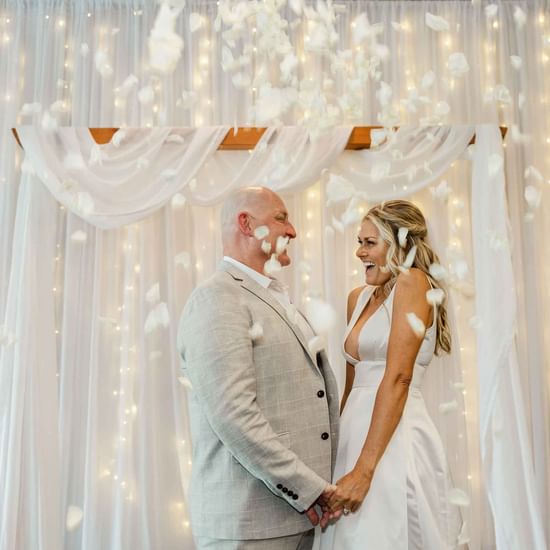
(375, 333)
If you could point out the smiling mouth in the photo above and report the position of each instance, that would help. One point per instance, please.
(369, 266)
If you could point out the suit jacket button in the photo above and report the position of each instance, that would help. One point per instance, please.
(324, 435)
(295, 496)
(279, 486)
(290, 494)
(285, 490)
(320, 393)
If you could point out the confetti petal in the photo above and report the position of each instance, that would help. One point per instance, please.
(491, 10)
(436, 23)
(261, 232)
(146, 95)
(321, 315)
(416, 324)
(449, 406)
(185, 382)
(28, 109)
(195, 22)
(519, 17)
(339, 189)
(458, 64)
(316, 344)
(272, 265)
(532, 196)
(428, 80)
(495, 164)
(441, 192)
(516, 61)
(79, 237)
(438, 272)
(165, 45)
(458, 497)
(74, 517)
(117, 138)
(153, 294)
(183, 259)
(281, 245)
(402, 236)
(435, 296)
(256, 332)
(158, 317)
(178, 201)
(266, 247)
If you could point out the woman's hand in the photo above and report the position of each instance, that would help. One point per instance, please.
(350, 492)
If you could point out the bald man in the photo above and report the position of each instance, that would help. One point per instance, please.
(263, 407)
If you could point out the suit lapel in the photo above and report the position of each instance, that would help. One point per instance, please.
(263, 294)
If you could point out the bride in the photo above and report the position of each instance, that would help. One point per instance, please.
(391, 468)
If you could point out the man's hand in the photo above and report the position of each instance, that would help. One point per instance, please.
(350, 492)
(327, 515)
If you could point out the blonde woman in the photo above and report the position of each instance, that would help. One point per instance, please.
(391, 469)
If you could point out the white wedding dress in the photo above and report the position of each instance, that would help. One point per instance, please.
(406, 507)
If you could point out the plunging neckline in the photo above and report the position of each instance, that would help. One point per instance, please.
(355, 319)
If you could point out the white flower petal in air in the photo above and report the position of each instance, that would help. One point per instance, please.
(256, 331)
(241, 80)
(168, 174)
(516, 61)
(520, 17)
(458, 385)
(377, 137)
(154, 355)
(532, 196)
(153, 294)
(384, 93)
(102, 63)
(321, 315)
(146, 95)
(282, 243)
(74, 517)
(496, 241)
(338, 225)
(185, 382)
(428, 80)
(449, 406)
(272, 265)
(438, 272)
(402, 236)
(435, 296)
(118, 136)
(460, 268)
(165, 45)
(129, 83)
(532, 172)
(436, 23)
(157, 318)
(517, 136)
(297, 6)
(266, 247)
(458, 64)
(495, 164)
(416, 324)
(458, 497)
(491, 10)
(352, 215)
(463, 536)
(316, 344)
(441, 191)
(442, 109)
(28, 109)
(195, 22)
(409, 260)
(288, 66)
(178, 201)
(79, 236)
(339, 189)
(475, 322)
(84, 49)
(183, 259)
(502, 93)
(48, 122)
(261, 232)
(83, 204)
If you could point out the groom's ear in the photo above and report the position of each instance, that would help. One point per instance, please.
(243, 223)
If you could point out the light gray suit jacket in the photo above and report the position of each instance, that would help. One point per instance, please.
(264, 413)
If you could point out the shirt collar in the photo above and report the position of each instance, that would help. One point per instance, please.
(261, 279)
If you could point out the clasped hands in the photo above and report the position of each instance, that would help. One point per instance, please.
(344, 497)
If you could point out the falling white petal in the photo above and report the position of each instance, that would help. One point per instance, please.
(491, 10)
(517, 136)
(520, 17)
(178, 201)
(84, 49)
(316, 344)
(475, 322)
(339, 189)
(516, 61)
(146, 95)
(272, 265)
(428, 80)
(261, 232)
(495, 164)
(241, 80)
(438, 272)
(463, 536)
(338, 225)
(458, 497)
(435, 296)
(532, 196)
(118, 136)
(157, 318)
(165, 45)
(377, 137)
(79, 237)
(102, 63)
(281, 245)
(130, 82)
(256, 331)
(83, 203)
(321, 315)
(154, 355)
(409, 260)
(153, 294)
(416, 324)
(442, 108)
(532, 172)
(48, 122)
(184, 381)
(458, 64)
(449, 406)
(436, 23)
(195, 22)
(183, 259)
(402, 236)
(74, 517)
(28, 109)
(441, 191)
(266, 247)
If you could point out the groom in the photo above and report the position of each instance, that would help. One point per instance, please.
(263, 407)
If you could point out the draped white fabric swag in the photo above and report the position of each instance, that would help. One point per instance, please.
(155, 193)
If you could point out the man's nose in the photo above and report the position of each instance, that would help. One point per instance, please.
(290, 231)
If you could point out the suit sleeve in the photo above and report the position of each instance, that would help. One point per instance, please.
(216, 348)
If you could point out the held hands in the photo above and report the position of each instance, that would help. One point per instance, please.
(326, 513)
(350, 491)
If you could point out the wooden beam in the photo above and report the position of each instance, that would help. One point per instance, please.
(247, 138)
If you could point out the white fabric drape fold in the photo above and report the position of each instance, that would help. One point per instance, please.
(506, 459)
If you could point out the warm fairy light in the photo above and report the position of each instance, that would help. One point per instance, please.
(495, 25)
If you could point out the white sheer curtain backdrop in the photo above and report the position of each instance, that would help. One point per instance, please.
(84, 288)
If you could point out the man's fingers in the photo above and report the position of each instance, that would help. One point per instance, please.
(312, 516)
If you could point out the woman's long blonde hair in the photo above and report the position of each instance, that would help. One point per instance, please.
(388, 218)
